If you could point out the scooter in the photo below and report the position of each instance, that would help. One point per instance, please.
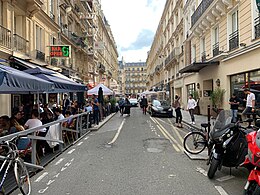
(252, 162)
(228, 144)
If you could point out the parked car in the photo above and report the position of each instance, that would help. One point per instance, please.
(160, 108)
(133, 102)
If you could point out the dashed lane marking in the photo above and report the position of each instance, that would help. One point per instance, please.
(59, 161)
(225, 178)
(41, 177)
(221, 190)
(86, 138)
(50, 182)
(202, 171)
(71, 151)
(79, 143)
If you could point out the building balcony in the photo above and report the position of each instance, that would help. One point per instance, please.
(208, 13)
(101, 68)
(21, 44)
(233, 40)
(40, 55)
(203, 56)
(5, 37)
(257, 27)
(172, 56)
(215, 50)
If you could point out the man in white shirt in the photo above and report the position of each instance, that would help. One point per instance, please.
(59, 114)
(35, 122)
(250, 103)
(190, 107)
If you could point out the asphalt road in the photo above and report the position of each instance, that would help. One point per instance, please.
(131, 156)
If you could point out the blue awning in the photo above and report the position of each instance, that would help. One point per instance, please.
(61, 82)
(13, 81)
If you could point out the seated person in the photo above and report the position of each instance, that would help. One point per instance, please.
(69, 122)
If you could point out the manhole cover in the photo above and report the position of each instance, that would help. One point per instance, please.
(156, 145)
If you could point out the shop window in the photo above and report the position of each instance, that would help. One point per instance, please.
(190, 88)
(254, 85)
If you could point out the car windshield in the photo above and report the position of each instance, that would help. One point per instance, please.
(156, 103)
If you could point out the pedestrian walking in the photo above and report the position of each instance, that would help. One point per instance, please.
(250, 103)
(121, 106)
(127, 106)
(95, 105)
(190, 107)
(234, 102)
(144, 104)
(177, 107)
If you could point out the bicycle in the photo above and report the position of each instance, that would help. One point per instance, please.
(196, 141)
(20, 171)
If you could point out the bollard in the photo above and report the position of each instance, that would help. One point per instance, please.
(208, 120)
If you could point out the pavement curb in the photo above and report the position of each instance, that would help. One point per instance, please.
(102, 122)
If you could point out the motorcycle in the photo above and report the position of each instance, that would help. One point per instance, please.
(227, 144)
(252, 162)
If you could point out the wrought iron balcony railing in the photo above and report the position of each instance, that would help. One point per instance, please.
(40, 55)
(200, 10)
(257, 27)
(215, 49)
(203, 56)
(21, 44)
(5, 37)
(233, 40)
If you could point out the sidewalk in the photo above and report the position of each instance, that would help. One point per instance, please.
(101, 123)
(198, 119)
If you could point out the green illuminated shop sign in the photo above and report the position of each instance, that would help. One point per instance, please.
(60, 51)
(258, 5)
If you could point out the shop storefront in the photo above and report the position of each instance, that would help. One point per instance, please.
(249, 80)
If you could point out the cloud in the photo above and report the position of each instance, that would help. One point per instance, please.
(133, 24)
(144, 39)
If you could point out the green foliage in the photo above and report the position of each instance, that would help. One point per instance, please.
(106, 100)
(113, 101)
(196, 95)
(217, 97)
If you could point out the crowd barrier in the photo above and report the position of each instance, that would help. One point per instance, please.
(58, 136)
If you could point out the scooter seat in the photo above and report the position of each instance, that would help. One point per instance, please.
(204, 125)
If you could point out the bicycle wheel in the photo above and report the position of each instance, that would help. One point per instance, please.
(22, 177)
(194, 142)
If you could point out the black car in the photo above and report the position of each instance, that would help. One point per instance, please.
(160, 108)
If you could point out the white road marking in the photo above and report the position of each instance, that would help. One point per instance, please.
(221, 190)
(202, 171)
(68, 164)
(43, 190)
(63, 168)
(50, 182)
(59, 161)
(117, 133)
(41, 177)
(57, 175)
(72, 160)
(79, 143)
(225, 178)
(86, 138)
(71, 151)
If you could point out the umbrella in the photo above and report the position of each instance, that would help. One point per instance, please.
(15, 81)
(106, 90)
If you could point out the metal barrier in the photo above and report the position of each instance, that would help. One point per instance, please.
(80, 128)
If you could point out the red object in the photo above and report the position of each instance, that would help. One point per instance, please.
(252, 161)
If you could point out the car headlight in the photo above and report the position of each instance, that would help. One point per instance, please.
(169, 109)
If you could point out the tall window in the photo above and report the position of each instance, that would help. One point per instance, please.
(51, 4)
(233, 28)
(215, 41)
(193, 53)
(1, 12)
(39, 38)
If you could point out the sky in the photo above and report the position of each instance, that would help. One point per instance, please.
(133, 24)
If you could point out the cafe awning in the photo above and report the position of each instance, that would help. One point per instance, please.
(13, 81)
(61, 82)
(197, 66)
